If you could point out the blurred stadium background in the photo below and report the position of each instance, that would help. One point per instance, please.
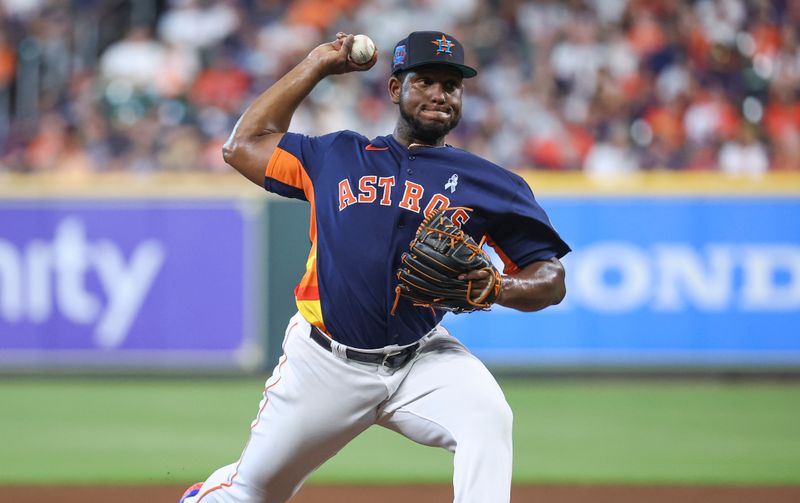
(615, 86)
(139, 277)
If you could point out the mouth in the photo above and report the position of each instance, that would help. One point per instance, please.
(436, 114)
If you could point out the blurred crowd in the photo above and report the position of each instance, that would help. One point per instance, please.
(605, 86)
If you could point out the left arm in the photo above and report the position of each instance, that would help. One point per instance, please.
(536, 286)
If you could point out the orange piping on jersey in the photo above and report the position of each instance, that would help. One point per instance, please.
(286, 168)
(229, 483)
(307, 291)
(509, 266)
(310, 292)
(308, 287)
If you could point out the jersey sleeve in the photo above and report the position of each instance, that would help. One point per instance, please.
(295, 163)
(523, 233)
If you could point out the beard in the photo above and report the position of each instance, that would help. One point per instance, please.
(428, 132)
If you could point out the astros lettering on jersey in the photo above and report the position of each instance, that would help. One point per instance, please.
(355, 186)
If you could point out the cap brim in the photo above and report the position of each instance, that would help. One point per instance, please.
(466, 71)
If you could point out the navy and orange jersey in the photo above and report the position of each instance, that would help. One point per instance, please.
(367, 199)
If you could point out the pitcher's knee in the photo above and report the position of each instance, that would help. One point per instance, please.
(504, 417)
(494, 421)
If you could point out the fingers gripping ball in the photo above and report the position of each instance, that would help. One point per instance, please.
(363, 49)
(430, 269)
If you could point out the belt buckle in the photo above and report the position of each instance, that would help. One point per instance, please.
(385, 361)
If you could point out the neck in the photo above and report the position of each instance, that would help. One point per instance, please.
(406, 137)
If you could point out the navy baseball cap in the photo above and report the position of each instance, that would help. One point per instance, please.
(430, 48)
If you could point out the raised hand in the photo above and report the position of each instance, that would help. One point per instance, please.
(332, 57)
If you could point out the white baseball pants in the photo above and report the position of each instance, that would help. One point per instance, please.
(315, 402)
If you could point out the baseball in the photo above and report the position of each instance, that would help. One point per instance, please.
(363, 49)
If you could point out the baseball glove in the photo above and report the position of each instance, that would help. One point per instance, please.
(430, 270)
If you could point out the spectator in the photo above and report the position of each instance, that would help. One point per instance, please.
(786, 151)
(744, 155)
(611, 157)
(197, 24)
(555, 75)
(136, 60)
(223, 85)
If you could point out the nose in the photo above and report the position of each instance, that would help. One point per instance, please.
(436, 93)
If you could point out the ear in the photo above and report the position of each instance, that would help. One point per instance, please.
(395, 88)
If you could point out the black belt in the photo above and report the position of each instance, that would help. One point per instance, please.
(392, 360)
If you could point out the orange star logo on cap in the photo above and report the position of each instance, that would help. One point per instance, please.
(444, 45)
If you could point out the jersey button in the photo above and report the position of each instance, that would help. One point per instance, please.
(411, 157)
(409, 171)
(400, 226)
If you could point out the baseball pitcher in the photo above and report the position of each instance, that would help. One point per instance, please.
(398, 225)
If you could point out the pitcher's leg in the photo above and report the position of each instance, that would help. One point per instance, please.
(313, 404)
(449, 399)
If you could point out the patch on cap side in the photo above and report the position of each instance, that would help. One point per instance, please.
(399, 55)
